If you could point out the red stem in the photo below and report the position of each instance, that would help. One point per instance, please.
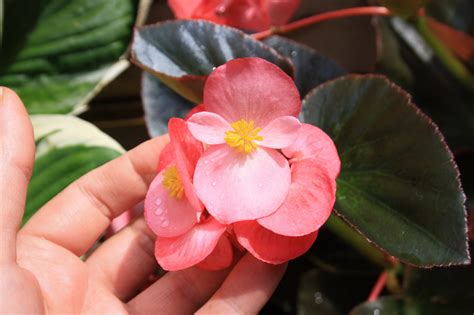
(378, 287)
(326, 16)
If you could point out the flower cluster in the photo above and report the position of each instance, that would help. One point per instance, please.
(242, 169)
(252, 15)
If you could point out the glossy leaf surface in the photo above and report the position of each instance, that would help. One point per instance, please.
(398, 185)
(311, 67)
(57, 53)
(182, 53)
(160, 103)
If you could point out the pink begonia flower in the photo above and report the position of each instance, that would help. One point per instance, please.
(254, 15)
(186, 235)
(251, 108)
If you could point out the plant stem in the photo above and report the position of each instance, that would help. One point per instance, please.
(358, 242)
(326, 16)
(378, 287)
(453, 64)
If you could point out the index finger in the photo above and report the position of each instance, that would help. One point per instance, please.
(76, 217)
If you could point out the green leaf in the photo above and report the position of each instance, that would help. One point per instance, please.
(57, 131)
(398, 185)
(67, 148)
(182, 53)
(57, 54)
(311, 67)
(404, 8)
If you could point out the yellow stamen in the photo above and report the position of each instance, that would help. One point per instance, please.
(172, 182)
(243, 137)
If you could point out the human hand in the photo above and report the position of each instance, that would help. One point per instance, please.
(41, 270)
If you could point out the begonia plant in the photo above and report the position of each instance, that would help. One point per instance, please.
(290, 145)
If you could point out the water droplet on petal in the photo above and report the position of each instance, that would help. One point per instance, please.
(214, 183)
(159, 211)
(158, 201)
(165, 223)
(260, 185)
(294, 53)
(206, 162)
(376, 311)
(220, 10)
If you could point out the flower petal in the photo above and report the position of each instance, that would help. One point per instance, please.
(235, 187)
(221, 256)
(184, 9)
(251, 89)
(196, 109)
(281, 11)
(271, 247)
(208, 127)
(309, 202)
(167, 216)
(280, 132)
(189, 249)
(187, 151)
(166, 157)
(247, 15)
(315, 144)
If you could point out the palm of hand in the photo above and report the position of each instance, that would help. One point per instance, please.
(41, 270)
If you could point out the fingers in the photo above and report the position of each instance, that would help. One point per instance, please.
(247, 288)
(124, 262)
(78, 216)
(181, 292)
(17, 150)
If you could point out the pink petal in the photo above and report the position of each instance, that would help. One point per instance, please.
(270, 247)
(247, 15)
(184, 9)
(221, 256)
(189, 249)
(167, 216)
(187, 151)
(166, 157)
(236, 187)
(196, 109)
(251, 89)
(280, 132)
(281, 11)
(208, 127)
(313, 143)
(308, 204)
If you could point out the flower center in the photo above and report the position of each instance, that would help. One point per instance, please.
(172, 182)
(243, 137)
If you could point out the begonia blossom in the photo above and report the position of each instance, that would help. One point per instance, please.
(251, 107)
(254, 15)
(185, 235)
(244, 177)
(242, 169)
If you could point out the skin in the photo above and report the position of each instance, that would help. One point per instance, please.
(40, 266)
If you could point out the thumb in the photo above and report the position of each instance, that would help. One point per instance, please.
(17, 150)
